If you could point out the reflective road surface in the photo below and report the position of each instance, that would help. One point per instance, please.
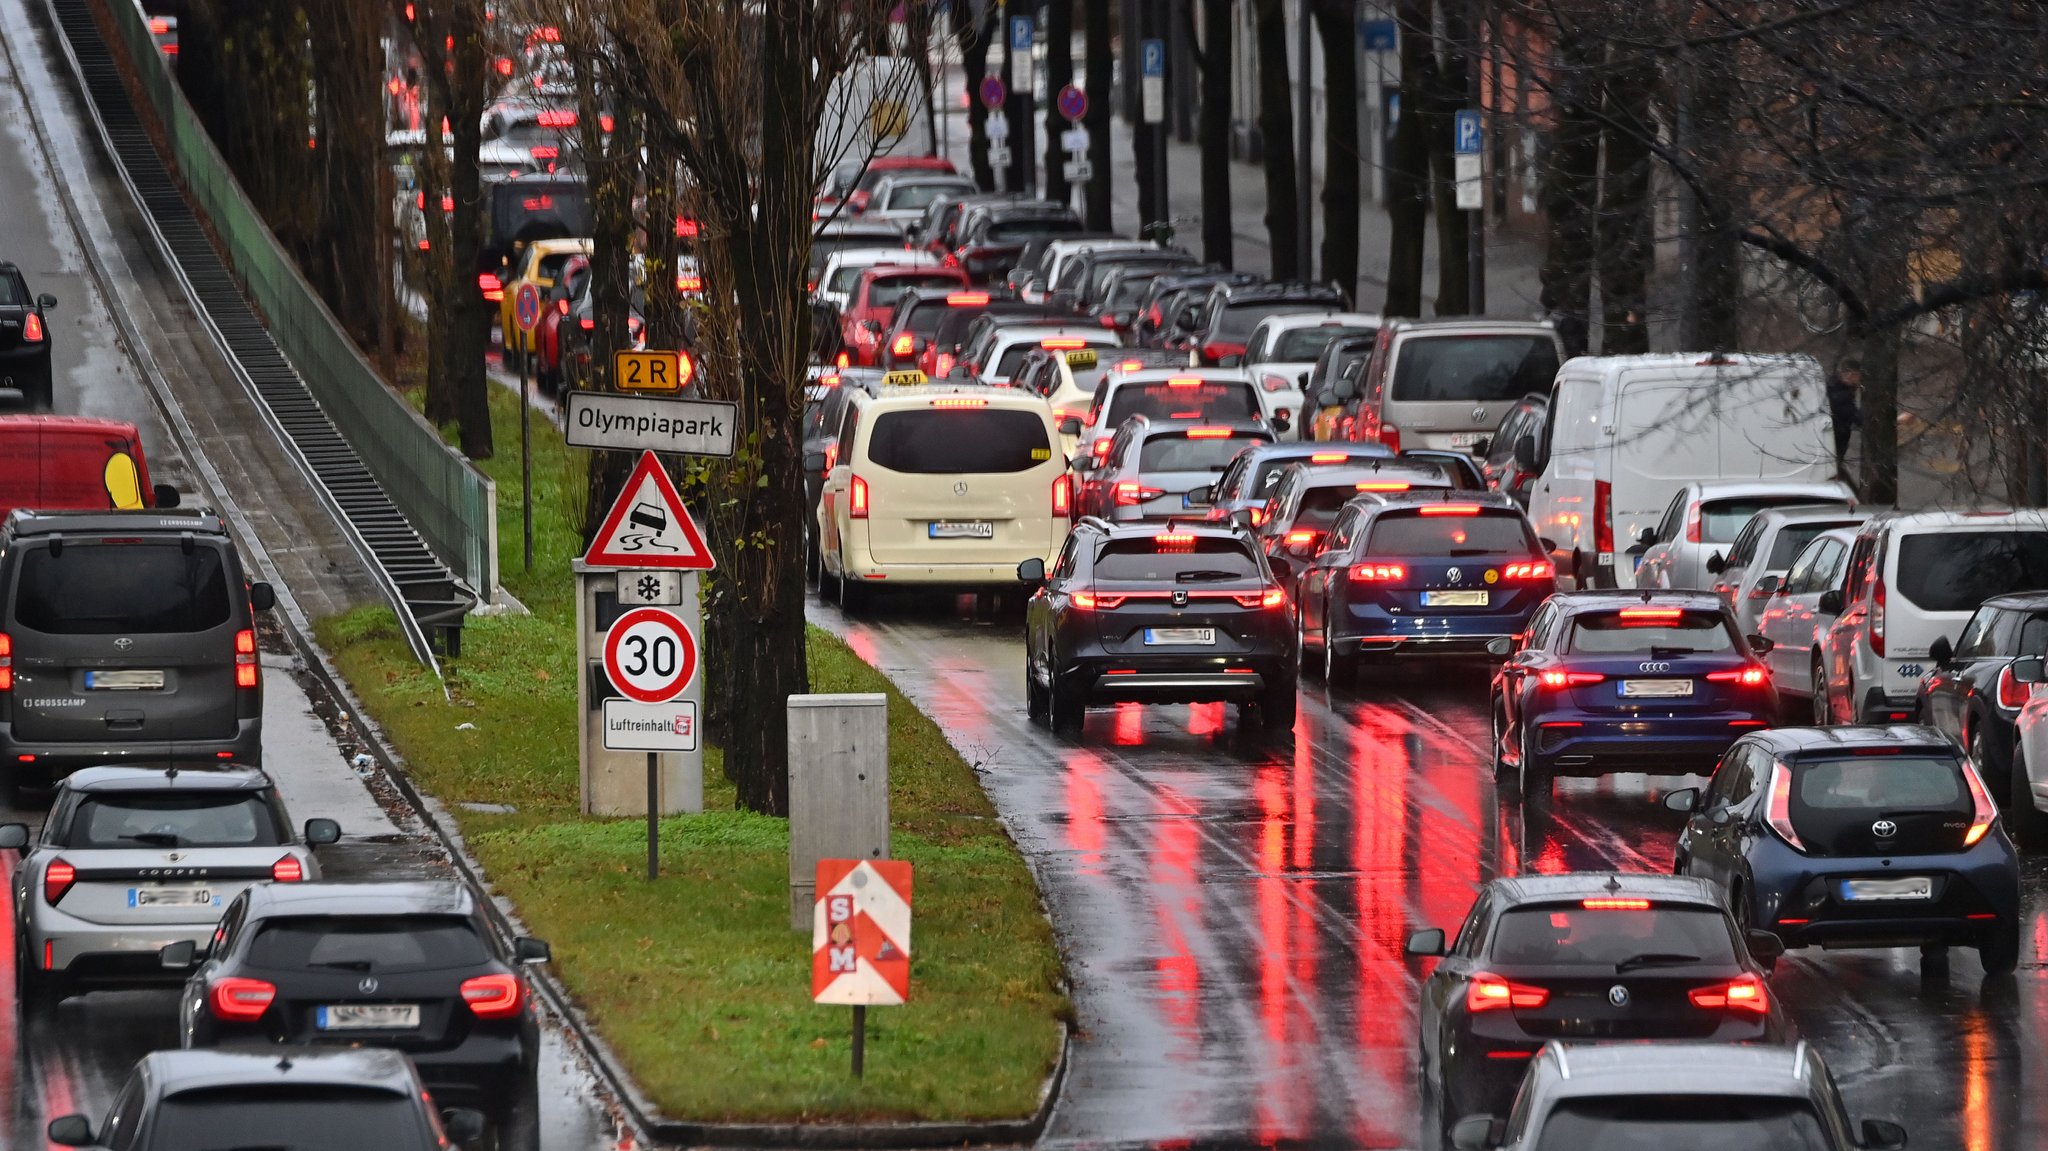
(1233, 912)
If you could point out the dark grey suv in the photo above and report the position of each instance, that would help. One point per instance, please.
(125, 636)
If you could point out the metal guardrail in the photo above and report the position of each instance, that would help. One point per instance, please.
(451, 504)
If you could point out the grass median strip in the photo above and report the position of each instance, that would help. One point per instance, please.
(697, 982)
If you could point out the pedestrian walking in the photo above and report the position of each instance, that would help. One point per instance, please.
(1842, 389)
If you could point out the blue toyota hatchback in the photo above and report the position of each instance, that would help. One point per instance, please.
(1419, 572)
(1609, 681)
(1856, 837)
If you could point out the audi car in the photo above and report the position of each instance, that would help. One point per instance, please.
(1308, 497)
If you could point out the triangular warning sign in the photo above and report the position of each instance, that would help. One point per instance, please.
(648, 527)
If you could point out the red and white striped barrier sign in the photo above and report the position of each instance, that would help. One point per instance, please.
(860, 933)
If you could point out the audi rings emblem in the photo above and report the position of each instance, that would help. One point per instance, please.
(1656, 666)
(1618, 995)
(1885, 828)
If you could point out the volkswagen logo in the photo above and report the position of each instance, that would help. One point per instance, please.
(1885, 828)
(368, 985)
(124, 643)
(1656, 666)
(960, 488)
(1618, 995)
(1180, 597)
(1453, 575)
(1478, 415)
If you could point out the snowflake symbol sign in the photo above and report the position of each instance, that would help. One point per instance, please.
(649, 587)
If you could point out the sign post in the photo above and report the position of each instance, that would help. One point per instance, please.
(1073, 104)
(526, 310)
(860, 939)
(650, 656)
(1468, 137)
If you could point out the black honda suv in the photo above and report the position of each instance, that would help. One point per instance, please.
(1181, 612)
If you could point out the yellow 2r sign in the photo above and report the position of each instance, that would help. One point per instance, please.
(652, 371)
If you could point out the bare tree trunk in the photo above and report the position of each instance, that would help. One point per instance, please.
(1880, 403)
(1444, 98)
(1276, 128)
(1571, 182)
(346, 76)
(1624, 221)
(446, 283)
(1059, 72)
(1717, 242)
(975, 38)
(1408, 165)
(469, 85)
(1337, 27)
(1215, 61)
(1101, 66)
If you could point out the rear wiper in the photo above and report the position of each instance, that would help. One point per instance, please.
(1658, 651)
(1205, 574)
(345, 964)
(1655, 959)
(154, 838)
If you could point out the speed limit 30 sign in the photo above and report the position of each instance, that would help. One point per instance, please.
(649, 655)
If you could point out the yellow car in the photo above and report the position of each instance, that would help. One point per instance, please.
(539, 263)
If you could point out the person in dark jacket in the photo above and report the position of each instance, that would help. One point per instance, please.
(1842, 389)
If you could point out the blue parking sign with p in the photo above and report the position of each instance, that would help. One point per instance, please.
(1153, 60)
(1466, 133)
(1020, 33)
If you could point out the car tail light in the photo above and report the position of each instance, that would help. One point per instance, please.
(1778, 813)
(561, 307)
(858, 202)
(1270, 598)
(967, 299)
(1258, 511)
(1390, 436)
(1091, 601)
(1100, 447)
(1381, 486)
(957, 402)
(689, 283)
(1877, 616)
(240, 1000)
(288, 870)
(1451, 510)
(857, 500)
(1329, 458)
(1170, 542)
(1208, 433)
(944, 364)
(1529, 570)
(903, 345)
(57, 879)
(158, 26)
(1129, 492)
(1489, 992)
(1130, 365)
(1063, 496)
(1107, 319)
(32, 329)
(1378, 573)
(1603, 517)
(246, 670)
(1650, 616)
(588, 324)
(831, 455)
(1752, 676)
(2012, 694)
(1568, 678)
(843, 361)
(1217, 349)
(1615, 904)
(1692, 524)
(1184, 382)
(1063, 344)
(1745, 993)
(493, 996)
(1302, 536)
(1984, 810)
(493, 288)
(6, 662)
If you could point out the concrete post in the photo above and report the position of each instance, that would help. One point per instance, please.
(615, 782)
(838, 788)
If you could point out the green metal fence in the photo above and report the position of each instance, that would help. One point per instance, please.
(448, 501)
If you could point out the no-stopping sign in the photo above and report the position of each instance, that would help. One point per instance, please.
(649, 655)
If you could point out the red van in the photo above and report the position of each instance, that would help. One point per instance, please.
(73, 462)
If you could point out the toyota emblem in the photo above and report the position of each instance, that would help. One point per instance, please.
(960, 488)
(1453, 574)
(1478, 415)
(367, 985)
(1885, 828)
(124, 643)
(1618, 995)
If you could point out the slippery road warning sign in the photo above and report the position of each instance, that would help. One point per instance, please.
(860, 933)
(648, 527)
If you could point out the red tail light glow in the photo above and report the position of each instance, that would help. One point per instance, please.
(1302, 536)
(239, 1000)
(32, 329)
(57, 879)
(1063, 344)
(1744, 994)
(1568, 678)
(1877, 616)
(1984, 811)
(1489, 992)
(1692, 524)
(857, 499)
(288, 870)
(960, 402)
(493, 996)
(246, 670)
(1184, 382)
(1174, 542)
(1451, 510)
(6, 662)
(1090, 601)
(944, 364)
(2012, 694)
(1603, 517)
(1779, 812)
(967, 299)
(1378, 573)
(1063, 497)
(1529, 570)
(1130, 492)
(1390, 436)
(1381, 486)
(1615, 904)
(1100, 447)
(1329, 457)
(1650, 616)
(1752, 676)
(1272, 597)
(903, 345)
(1130, 365)
(1208, 433)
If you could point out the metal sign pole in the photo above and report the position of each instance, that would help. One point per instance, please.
(526, 457)
(653, 816)
(860, 1038)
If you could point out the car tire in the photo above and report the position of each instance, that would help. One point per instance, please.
(1036, 705)
(1339, 670)
(2022, 817)
(36, 992)
(2000, 950)
(1823, 707)
(1312, 668)
(1496, 708)
(517, 1128)
(1066, 705)
(853, 594)
(43, 396)
(814, 558)
(1278, 708)
(1537, 774)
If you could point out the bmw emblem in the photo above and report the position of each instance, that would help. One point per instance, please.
(367, 985)
(1884, 828)
(1618, 995)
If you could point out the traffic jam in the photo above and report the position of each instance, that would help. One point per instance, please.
(1437, 719)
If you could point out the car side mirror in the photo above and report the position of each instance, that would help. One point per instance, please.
(1071, 426)
(1426, 943)
(1880, 1135)
(1716, 564)
(874, 326)
(463, 1125)
(2030, 669)
(814, 461)
(1281, 423)
(1477, 1132)
(1324, 398)
(1501, 646)
(177, 956)
(1525, 453)
(321, 832)
(46, 300)
(262, 596)
(1242, 517)
(1760, 644)
(1647, 537)
(1831, 602)
(1941, 651)
(75, 1131)
(527, 949)
(1770, 585)
(1201, 497)
(1546, 543)
(1301, 381)
(1482, 446)
(1031, 571)
(1764, 946)
(165, 496)
(1230, 361)
(1684, 801)
(13, 836)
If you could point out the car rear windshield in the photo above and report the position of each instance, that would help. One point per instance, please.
(10, 295)
(300, 1118)
(1792, 539)
(388, 943)
(1319, 506)
(1304, 344)
(1007, 363)
(1721, 520)
(1956, 571)
(1572, 935)
(192, 819)
(1131, 289)
(904, 196)
(1142, 560)
(1859, 783)
(1473, 368)
(1641, 631)
(122, 589)
(1181, 454)
(1202, 399)
(1011, 231)
(1717, 1122)
(886, 290)
(958, 441)
(1237, 321)
(847, 276)
(1410, 533)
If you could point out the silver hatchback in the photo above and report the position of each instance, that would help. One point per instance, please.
(132, 859)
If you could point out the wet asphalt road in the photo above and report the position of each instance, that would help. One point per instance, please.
(1233, 912)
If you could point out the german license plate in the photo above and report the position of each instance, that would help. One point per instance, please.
(1882, 890)
(1180, 635)
(1454, 599)
(124, 679)
(962, 530)
(369, 1016)
(1466, 439)
(170, 897)
(1656, 688)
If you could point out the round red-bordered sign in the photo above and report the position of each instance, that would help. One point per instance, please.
(649, 655)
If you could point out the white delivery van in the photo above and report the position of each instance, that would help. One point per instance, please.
(879, 106)
(1624, 433)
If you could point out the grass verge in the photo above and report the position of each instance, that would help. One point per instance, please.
(697, 981)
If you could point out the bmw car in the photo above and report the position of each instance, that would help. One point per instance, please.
(1607, 681)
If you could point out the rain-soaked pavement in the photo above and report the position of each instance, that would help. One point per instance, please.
(1233, 912)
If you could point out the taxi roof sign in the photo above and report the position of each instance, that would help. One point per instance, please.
(907, 377)
(1082, 358)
